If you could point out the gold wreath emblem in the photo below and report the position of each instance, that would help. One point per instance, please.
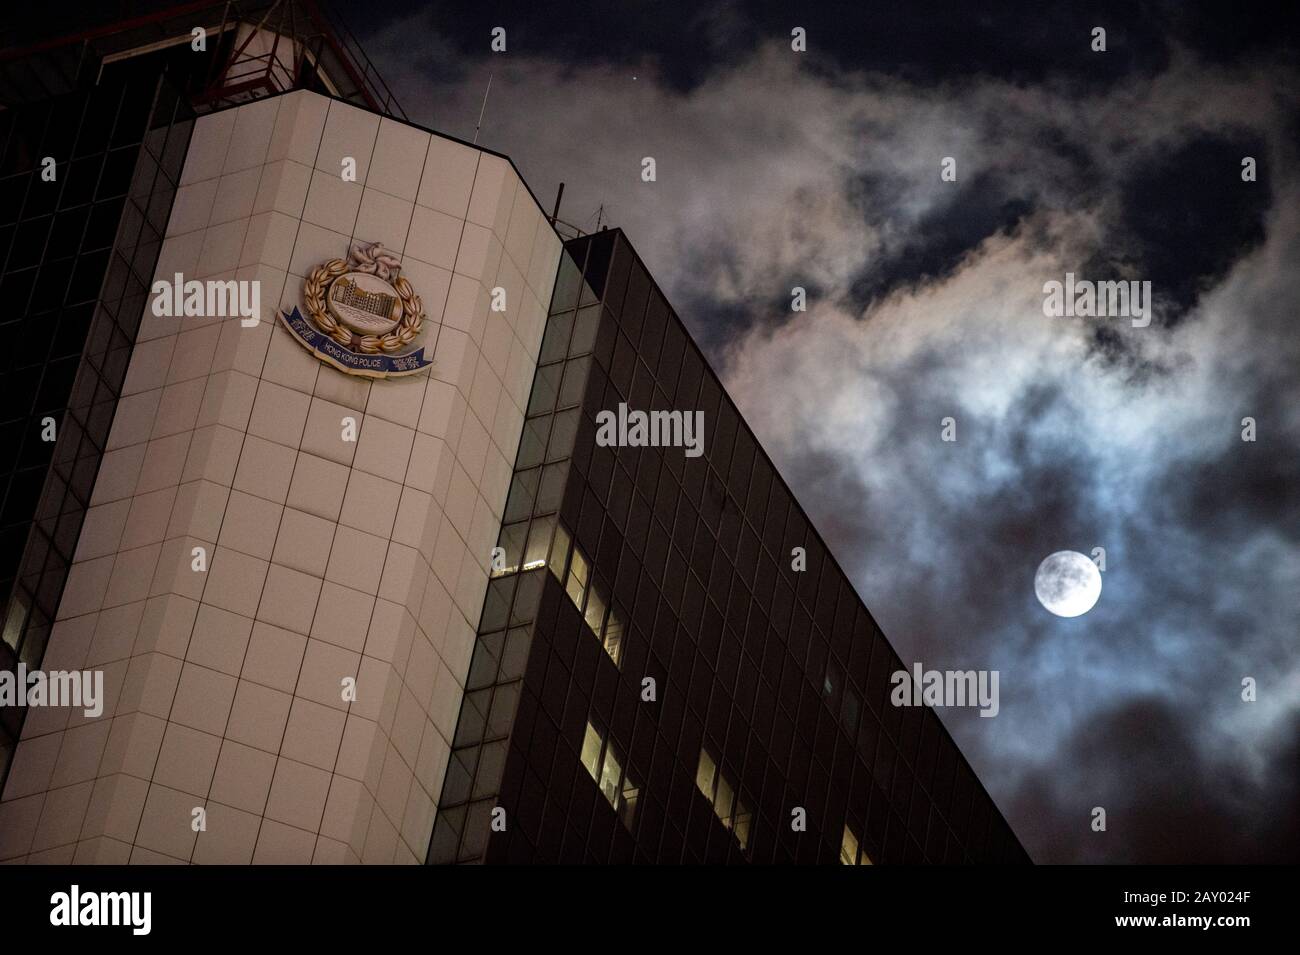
(313, 293)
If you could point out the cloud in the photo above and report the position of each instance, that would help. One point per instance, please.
(925, 303)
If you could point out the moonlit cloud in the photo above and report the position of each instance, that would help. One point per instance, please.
(925, 301)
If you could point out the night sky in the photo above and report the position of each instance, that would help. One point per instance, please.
(821, 169)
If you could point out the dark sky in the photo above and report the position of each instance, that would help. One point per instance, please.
(821, 170)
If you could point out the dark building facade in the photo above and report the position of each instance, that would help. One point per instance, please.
(77, 249)
(653, 680)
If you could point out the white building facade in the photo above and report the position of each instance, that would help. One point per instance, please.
(282, 568)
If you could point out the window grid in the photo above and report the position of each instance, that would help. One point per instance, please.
(76, 257)
(767, 513)
(781, 673)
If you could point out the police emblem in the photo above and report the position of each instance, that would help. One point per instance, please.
(363, 317)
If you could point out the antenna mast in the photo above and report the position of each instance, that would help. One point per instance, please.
(483, 108)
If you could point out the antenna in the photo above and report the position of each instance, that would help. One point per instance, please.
(555, 214)
(600, 214)
(483, 109)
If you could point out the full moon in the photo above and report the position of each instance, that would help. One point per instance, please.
(1067, 583)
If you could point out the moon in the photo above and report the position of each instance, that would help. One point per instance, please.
(1067, 583)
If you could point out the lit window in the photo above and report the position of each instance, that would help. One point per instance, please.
(705, 774)
(611, 773)
(721, 793)
(614, 635)
(605, 767)
(591, 744)
(602, 620)
(576, 585)
(595, 612)
(13, 630)
(740, 823)
(559, 552)
(539, 539)
(851, 853)
(586, 595)
(849, 847)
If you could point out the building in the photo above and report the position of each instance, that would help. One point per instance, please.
(347, 598)
(654, 680)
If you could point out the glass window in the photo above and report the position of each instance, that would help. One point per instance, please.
(851, 851)
(595, 611)
(614, 635)
(14, 622)
(721, 792)
(539, 540)
(514, 657)
(611, 772)
(851, 711)
(584, 331)
(523, 489)
(555, 344)
(497, 603)
(546, 384)
(566, 284)
(722, 802)
(742, 822)
(591, 751)
(562, 435)
(576, 585)
(559, 551)
(705, 774)
(575, 382)
(551, 492)
(532, 444)
(638, 293)
(617, 786)
(848, 847)
(627, 807)
(512, 543)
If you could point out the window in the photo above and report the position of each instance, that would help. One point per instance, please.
(546, 384)
(610, 775)
(562, 435)
(721, 794)
(512, 544)
(551, 491)
(591, 746)
(575, 382)
(539, 539)
(851, 853)
(705, 775)
(576, 585)
(605, 622)
(848, 847)
(515, 556)
(614, 635)
(559, 552)
(595, 612)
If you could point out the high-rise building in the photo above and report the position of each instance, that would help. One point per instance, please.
(670, 665)
(330, 509)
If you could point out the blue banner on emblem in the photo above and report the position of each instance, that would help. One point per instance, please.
(326, 348)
